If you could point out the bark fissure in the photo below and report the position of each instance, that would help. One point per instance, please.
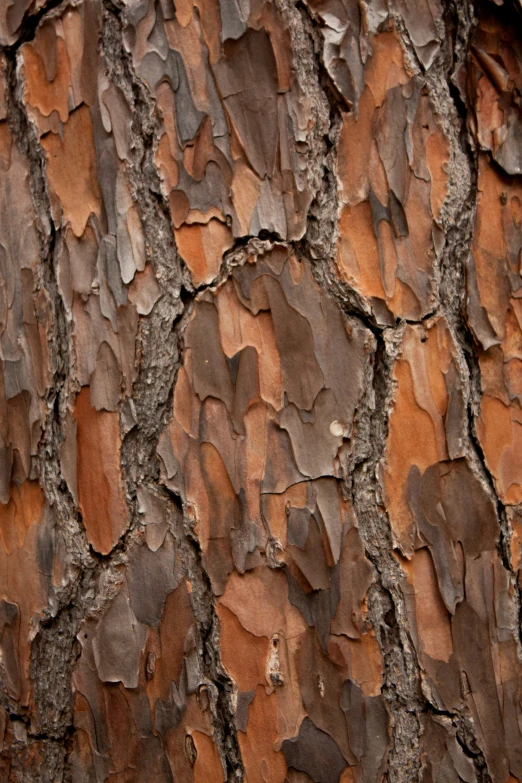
(387, 608)
(387, 613)
(54, 649)
(215, 679)
(386, 602)
(31, 22)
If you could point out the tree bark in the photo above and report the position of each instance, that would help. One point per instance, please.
(261, 391)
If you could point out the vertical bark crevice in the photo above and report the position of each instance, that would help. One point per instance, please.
(157, 342)
(216, 683)
(160, 354)
(459, 236)
(405, 686)
(387, 610)
(53, 650)
(322, 230)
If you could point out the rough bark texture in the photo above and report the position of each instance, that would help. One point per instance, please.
(260, 391)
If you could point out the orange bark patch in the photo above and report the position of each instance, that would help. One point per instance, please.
(426, 376)
(100, 491)
(202, 248)
(207, 767)
(24, 509)
(262, 764)
(72, 170)
(47, 95)
(500, 432)
(433, 621)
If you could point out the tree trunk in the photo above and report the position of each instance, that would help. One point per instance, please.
(261, 391)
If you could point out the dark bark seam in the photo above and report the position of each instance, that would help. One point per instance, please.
(387, 611)
(139, 444)
(54, 648)
(31, 22)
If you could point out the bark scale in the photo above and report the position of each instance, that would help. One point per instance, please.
(261, 389)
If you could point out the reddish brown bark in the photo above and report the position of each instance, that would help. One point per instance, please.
(261, 388)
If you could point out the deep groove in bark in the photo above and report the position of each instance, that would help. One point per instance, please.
(139, 460)
(54, 648)
(387, 614)
(30, 23)
(215, 678)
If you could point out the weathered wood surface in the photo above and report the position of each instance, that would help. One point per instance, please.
(260, 391)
